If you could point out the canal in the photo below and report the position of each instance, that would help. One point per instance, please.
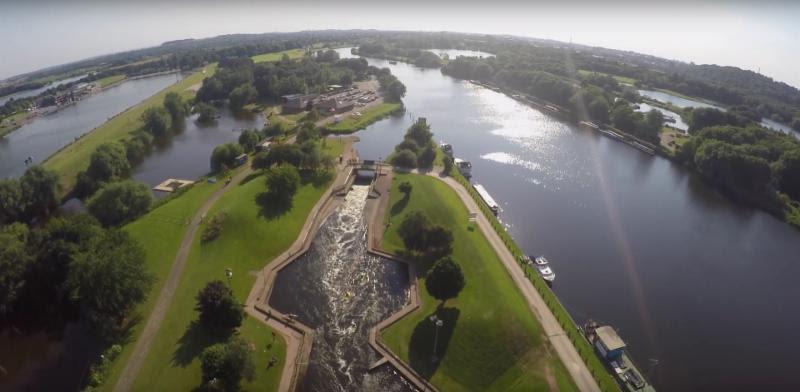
(46, 134)
(701, 289)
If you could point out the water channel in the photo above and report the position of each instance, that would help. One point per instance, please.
(341, 291)
(46, 134)
(37, 91)
(703, 291)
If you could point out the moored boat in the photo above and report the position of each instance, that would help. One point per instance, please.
(464, 167)
(611, 350)
(447, 149)
(543, 266)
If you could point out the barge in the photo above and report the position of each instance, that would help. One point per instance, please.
(611, 350)
(487, 198)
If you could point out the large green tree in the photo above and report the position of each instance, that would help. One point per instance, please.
(787, 173)
(11, 202)
(282, 182)
(109, 280)
(445, 279)
(224, 365)
(14, 260)
(120, 202)
(218, 307)
(248, 139)
(157, 121)
(40, 189)
(224, 156)
(176, 106)
(241, 96)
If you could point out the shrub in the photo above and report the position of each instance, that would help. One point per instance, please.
(214, 227)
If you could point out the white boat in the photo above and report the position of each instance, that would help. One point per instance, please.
(487, 198)
(544, 269)
(463, 166)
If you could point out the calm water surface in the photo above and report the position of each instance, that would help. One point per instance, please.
(705, 287)
(678, 122)
(45, 135)
(455, 53)
(35, 92)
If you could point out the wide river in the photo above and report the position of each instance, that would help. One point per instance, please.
(703, 291)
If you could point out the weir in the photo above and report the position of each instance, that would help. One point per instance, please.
(341, 291)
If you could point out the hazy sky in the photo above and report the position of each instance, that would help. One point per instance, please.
(761, 35)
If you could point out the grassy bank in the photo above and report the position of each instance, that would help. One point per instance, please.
(12, 122)
(583, 347)
(353, 123)
(276, 56)
(248, 241)
(109, 80)
(74, 158)
(490, 339)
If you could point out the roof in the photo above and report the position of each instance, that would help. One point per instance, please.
(609, 337)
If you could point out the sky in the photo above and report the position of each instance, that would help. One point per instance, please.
(762, 36)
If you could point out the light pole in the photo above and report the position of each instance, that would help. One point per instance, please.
(229, 274)
(438, 323)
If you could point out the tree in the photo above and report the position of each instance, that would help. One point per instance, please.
(248, 139)
(787, 173)
(413, 231)
(445, 279)
(241, 96)
(312, 155)
(598, 110)
(109, 280)
(406, 188)
(420, 133)
(282, 182)
(405, 158)
(227, 363)
(732, 167)
(438, 242)
(120, 202)
(175, 105)
(108, 163)
(796, 124)
(282, 153)
(427, 156)
(11, 202)
(14, 260)
(654, 120)
(224, 156)
(308, 132)
(206, 112)
(218, 307)
(39, 191)
(157, 121)
(448, 165)
(395, 91)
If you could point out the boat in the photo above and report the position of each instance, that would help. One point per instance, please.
(464, 167)
(487, 198)
(589, 125)
(543, 266)
(446, 149)
(644, 148)
(392, 62)
(611, 350)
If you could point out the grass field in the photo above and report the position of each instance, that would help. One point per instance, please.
(109, 80)
(74, 158)
(276, 56)
(248, 241)
(621, 79)
(352, 123)
(12, 122)
(490, 339)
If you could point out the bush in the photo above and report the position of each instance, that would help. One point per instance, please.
(214, 227)
(427, 156)
(405, 158)
(157, 121)
(206, 112)
(224, 156)
(227, 363)
(248, 139)
(448, 165)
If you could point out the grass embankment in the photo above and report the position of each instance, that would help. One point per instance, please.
(276, 56)
(74, 158)
(490, 339)
(248, 241)
(109, 80)
(372, 114)
(598, 370)
(12, 122)
(160, 232)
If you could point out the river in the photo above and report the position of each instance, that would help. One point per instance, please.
(703, 287)
(46, 134)
(35, 92)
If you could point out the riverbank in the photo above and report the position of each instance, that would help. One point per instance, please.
(488, 341)
(370, 115)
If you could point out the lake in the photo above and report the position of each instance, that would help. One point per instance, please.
(677, 122)
(35, 92)
(46, 134)
(455, 53)
(680, 102)
(703, 290)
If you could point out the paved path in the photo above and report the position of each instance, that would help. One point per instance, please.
(563, 346)
(168, 291)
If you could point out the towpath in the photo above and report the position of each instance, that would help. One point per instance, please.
(563, 346)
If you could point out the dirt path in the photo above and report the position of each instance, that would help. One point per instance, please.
(558, 338)
(168, 291)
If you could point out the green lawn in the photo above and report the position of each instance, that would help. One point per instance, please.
(248, 241)
(490, 339)
(74, 158)
(276, 56)
(621, 79)
(160, 232)
(353, 123)
(109, 80)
